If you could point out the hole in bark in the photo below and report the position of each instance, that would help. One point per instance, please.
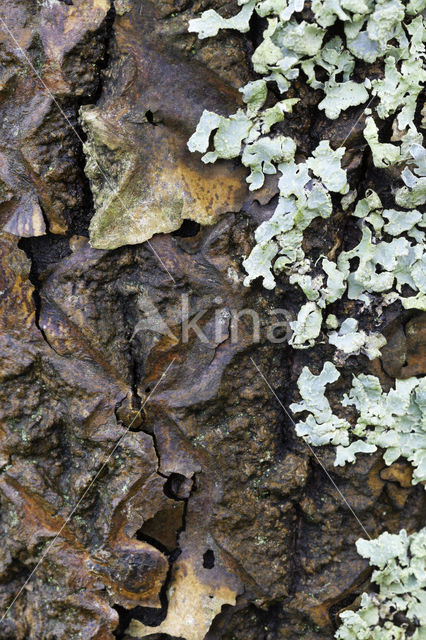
(188, 229)
(142, 537)
(208, 559)
(172, 485)
(150, 117)
(147, 615)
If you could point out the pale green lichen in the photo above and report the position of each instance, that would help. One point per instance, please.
(386, 153)
(209, 122)
(211, 22)
(331, 321)
(254, 96)
(259, 263)
(389, 257)
(302, 200)
(242, 134)
(372, 29)
(369, 209)
(328, 11)
(351, 341)
(348, 199)
(404, 75)
(414, 193)
(307, 327)
(398, 610)
(385, 267)
(262, 156)
(404, 222)
(321, 426)
(400, 261)
(394, 421)
(336, 285)
(349, 453)
(382, 266)
(323, 291)
(310, 285)
(325, 163)
(342, 95)
(229, 136)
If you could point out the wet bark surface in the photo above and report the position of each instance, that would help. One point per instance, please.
(153, 486)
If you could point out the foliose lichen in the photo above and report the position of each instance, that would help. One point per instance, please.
(394, 421)
(398, 610)
(390, 257)
(377, 29)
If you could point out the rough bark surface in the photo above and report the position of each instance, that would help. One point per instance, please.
(210, 518)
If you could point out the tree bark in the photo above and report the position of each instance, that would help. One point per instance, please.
(151, 484)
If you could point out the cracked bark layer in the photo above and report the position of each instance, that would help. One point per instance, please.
(210, 496)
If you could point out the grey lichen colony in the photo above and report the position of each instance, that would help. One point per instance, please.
(390, 257)
(401, 578)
